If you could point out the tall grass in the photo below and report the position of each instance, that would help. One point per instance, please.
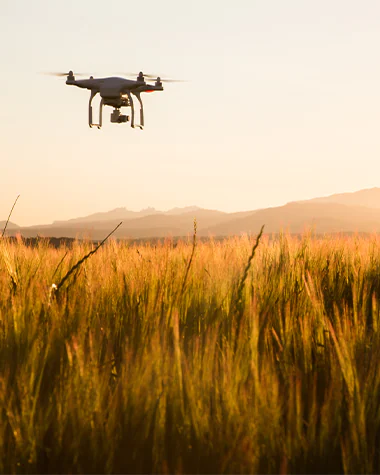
(185, 359)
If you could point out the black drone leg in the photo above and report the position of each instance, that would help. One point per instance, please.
(90, 122)
(137, 94)
(100, 114)
(132, 109)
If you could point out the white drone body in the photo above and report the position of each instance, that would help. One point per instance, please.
(116, 92)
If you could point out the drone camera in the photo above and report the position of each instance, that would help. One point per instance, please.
(118, 118)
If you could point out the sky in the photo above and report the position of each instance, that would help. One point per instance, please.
(281, 103)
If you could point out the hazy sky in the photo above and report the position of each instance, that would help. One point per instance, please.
(282, 103)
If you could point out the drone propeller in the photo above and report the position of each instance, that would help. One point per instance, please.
(172, 80)
(70, 73)
(155, 76)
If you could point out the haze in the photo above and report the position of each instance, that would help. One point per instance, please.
(282, 104)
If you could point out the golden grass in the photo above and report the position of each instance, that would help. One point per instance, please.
(169, 358)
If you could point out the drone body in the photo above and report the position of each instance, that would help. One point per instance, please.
(116, 92)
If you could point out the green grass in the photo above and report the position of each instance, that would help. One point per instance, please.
(191, 359)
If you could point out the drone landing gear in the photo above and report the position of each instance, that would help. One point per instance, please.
(116, 116)
(90, 122)
(133, 125)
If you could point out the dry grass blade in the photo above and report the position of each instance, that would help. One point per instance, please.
(9, 217)
(60, 263)
(247, 267)
(80, 262)
(191, 257)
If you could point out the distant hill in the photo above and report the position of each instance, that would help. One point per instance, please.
(155, 225)
(296, 217)
(95, 220)
(369, 197)
(115, 214)
(344, 212)
(187, 209)
(10, 226)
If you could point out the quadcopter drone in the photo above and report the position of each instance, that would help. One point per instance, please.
(116, 92)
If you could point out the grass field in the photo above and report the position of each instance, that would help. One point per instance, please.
(191, 359)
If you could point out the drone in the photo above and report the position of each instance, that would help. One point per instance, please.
(116, 92)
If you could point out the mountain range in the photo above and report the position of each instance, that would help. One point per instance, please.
(339, 213)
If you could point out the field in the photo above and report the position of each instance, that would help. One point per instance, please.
(238, 356)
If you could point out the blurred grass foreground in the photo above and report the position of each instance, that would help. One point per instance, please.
(191, 357)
